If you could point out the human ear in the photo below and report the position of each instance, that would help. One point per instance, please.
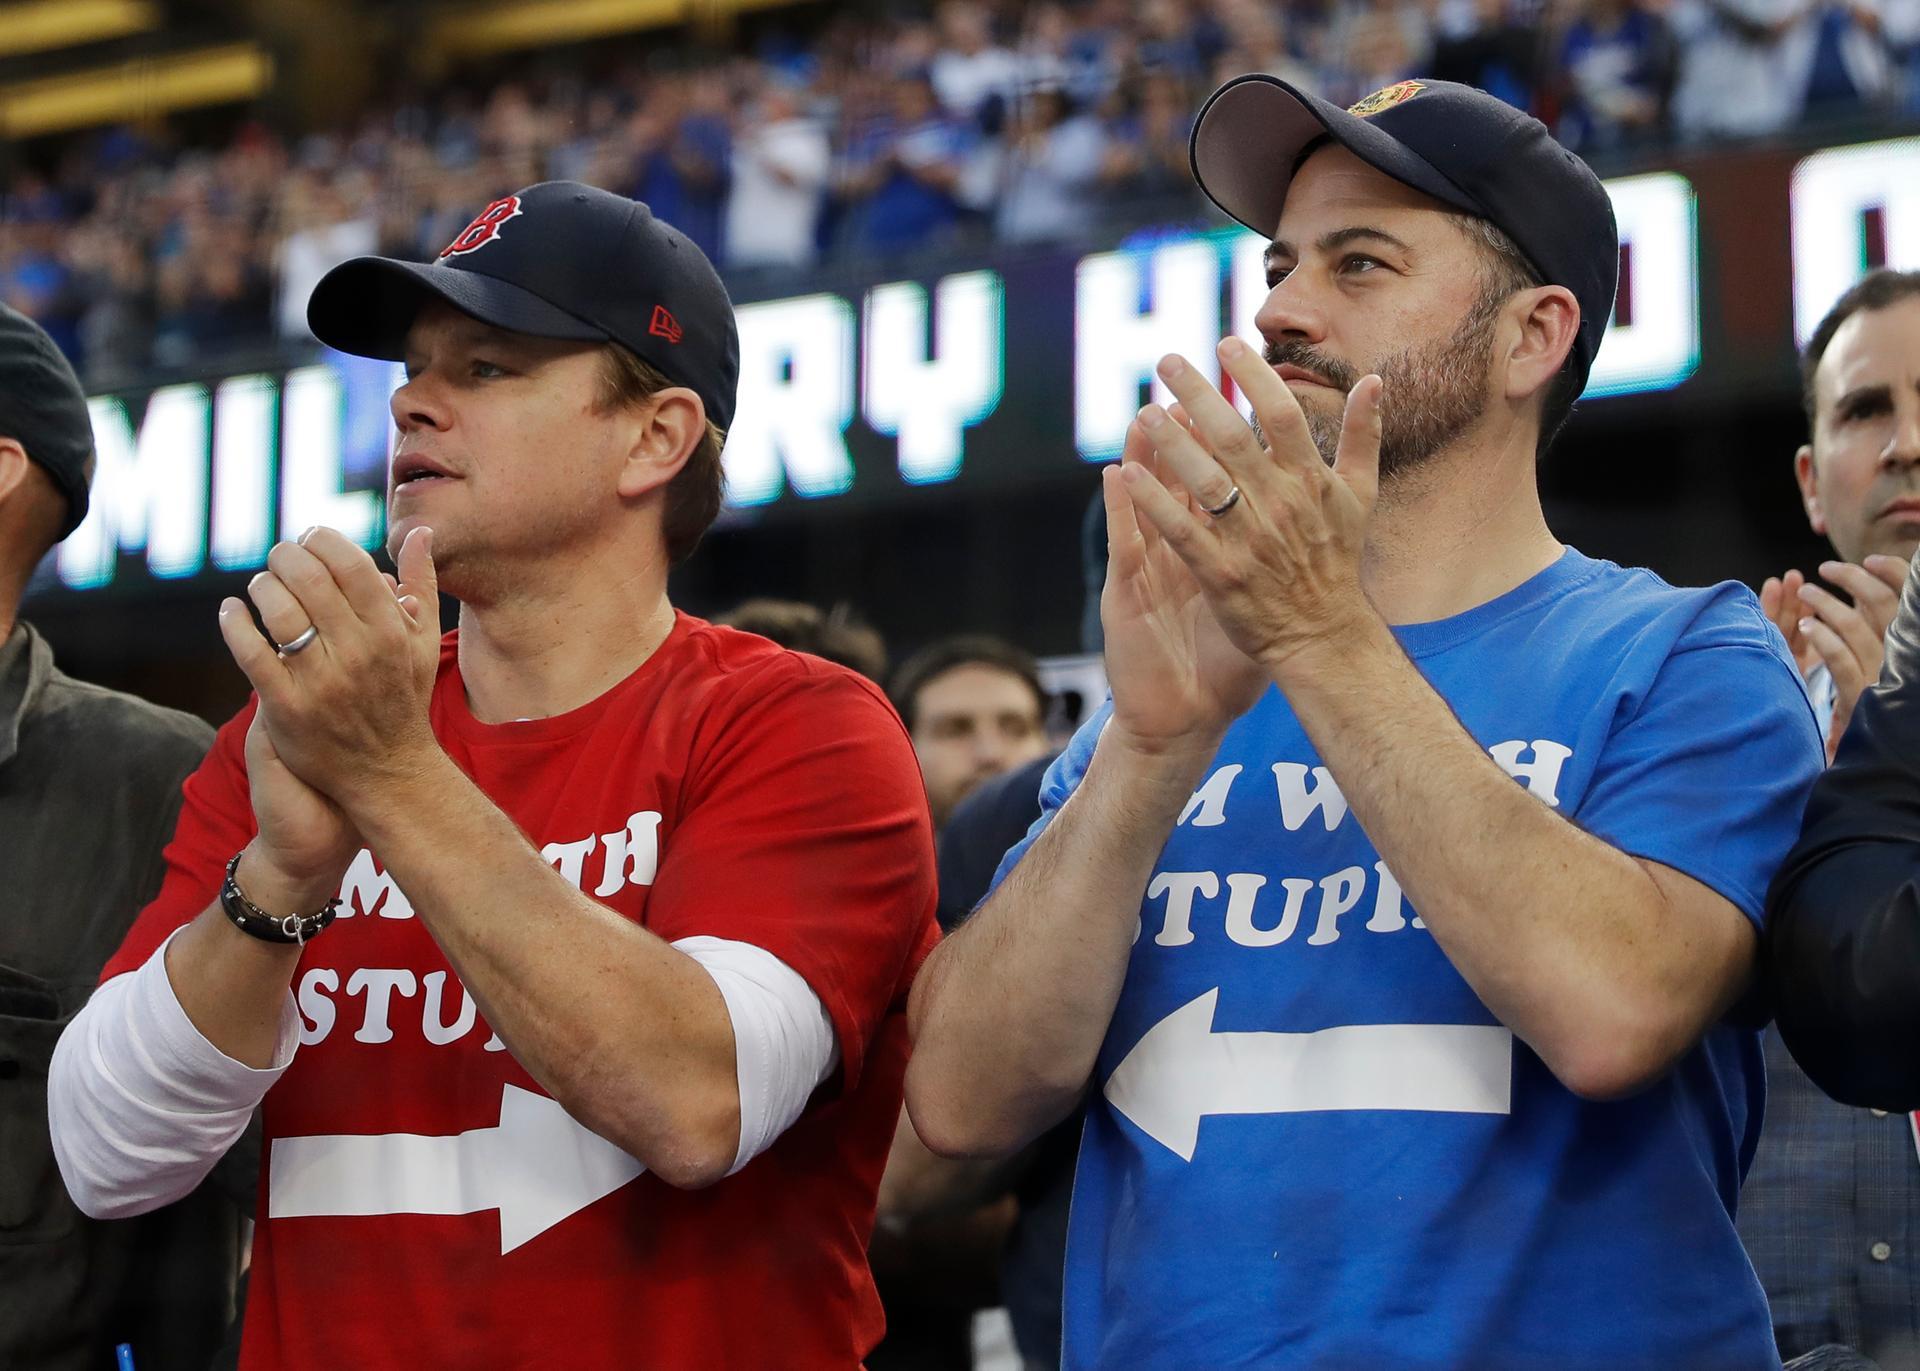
(1549, 322)
(13, 467)
(668, 429)
(1808, 480)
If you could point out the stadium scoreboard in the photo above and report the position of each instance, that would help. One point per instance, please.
(1021, 366)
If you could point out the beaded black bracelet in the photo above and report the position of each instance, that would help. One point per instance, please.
(254, 921)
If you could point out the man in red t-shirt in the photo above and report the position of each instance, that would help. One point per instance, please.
(599, 1066)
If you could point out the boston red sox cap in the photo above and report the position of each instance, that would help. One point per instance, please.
(556, 260)
(1459, 145)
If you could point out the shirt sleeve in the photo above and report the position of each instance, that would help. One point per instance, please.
(1710, 772)
(805, 832)
(216, 821)
(783, 1047)
(140, 1104)
(1057, 787)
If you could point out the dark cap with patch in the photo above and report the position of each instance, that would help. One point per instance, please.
(556, 260)
(44, 410)
(1459, 145)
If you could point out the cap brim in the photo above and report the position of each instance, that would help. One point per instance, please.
(365, 305)
(1249, 136)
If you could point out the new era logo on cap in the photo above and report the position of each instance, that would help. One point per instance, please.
(484, 228)
(664, 325)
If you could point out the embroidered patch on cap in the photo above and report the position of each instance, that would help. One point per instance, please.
(485, 228)
(1399, 94)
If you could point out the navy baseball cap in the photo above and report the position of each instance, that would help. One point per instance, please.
(556, 260)
(44, 410)
(1459, 145)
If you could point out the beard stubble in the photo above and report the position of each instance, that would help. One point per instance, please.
(1431, 392)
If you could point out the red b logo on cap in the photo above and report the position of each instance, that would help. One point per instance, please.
(485, 227)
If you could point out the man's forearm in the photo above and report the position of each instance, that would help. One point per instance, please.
(1009, 1013)
(139, 1103)
(232, 985)
(1573, 944)
(631, 1036)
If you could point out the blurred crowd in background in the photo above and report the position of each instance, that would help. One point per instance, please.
(874, 138)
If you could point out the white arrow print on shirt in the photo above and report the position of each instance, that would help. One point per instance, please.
(537, 1168)
(1182, 1070)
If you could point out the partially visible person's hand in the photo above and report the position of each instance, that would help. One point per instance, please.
(1780, 602)
(1850, 638)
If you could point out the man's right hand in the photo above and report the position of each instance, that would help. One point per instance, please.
(1178, 681)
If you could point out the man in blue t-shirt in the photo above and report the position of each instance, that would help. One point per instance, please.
(1396, 917)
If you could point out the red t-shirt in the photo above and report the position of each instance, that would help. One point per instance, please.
(727, 788)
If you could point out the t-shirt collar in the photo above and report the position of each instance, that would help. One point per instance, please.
(1566, 571)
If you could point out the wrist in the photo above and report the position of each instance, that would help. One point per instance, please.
(408, 788)
(1331, 652)
(280, 888)
(1149, 763)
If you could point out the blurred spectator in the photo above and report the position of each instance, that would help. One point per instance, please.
(1371, 44)
(135, 251)
(1851, 66)
(1260, 38)
(975, 708)
(781, 158)
(1180, 38)
(116, 318)
(1619, 61)
(1063, 48)
(323, 229)
(1900, 31)
(974, 77)
(1746, 66)
(901, 180)
(838, 635)
(1146, 153)
(1054, 162)
(683, 146)
(1489, 44)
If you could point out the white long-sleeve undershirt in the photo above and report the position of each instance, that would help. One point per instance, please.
(141, 1105)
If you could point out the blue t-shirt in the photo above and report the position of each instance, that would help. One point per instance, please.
(1309, 1144)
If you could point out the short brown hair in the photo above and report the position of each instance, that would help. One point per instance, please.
(838, 636)
(1508, 272)
(1876, 290)
(695, 493)
(965, 649)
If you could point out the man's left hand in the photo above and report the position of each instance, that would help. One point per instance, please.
(1281, 567)
(347, 714)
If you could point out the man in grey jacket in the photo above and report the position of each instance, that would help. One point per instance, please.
(89, 789)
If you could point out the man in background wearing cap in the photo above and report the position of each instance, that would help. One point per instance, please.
(601, 1067)
(89, 788)
(1399, 961)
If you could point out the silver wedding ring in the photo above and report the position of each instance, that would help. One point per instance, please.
(1215, 511)
(305, 640)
